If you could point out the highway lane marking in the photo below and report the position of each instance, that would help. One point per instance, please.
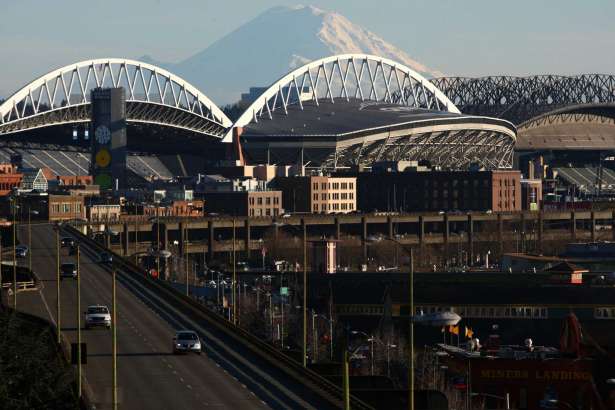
(188, 386)
(151, 298)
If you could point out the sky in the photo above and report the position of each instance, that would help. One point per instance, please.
(471, 38)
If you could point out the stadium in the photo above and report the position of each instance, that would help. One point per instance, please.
(337, 112)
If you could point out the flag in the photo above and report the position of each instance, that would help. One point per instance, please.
(454, 330)
(469, 332)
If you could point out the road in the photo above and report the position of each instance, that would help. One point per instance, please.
(149, 375)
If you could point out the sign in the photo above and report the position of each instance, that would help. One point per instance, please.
(284, 291)
(74, 353)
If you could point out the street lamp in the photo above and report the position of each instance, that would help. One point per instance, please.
(370, 339)
(305, 319)
(410, 253)
(330, 320)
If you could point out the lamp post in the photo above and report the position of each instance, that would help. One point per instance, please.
(305, 285)
(78, 323)
(14, 258)
(369, 338)
(410, 253)
(234, 279)
(58, 306)
(114, 352)
(330, 320)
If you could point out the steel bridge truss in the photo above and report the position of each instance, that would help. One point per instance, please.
(345, 77)
(153, 95)
(518, 99)
(453, 149)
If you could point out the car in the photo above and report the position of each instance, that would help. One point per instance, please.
(68, 270)
(97, 315)
(67, 242)
(21, 251)
(186, 341)
(105, 258)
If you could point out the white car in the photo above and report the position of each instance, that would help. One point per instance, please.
(97, 315)
(186, 341)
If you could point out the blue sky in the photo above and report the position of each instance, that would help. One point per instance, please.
(474, 37)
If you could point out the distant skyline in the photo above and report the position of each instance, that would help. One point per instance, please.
(458, 38)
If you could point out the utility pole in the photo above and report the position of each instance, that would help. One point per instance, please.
(136, 237)
(314, 337)
(78, 323)
(29, 240)
(346, 382)
(186, 260)
(14, 260)
(114, 352)
(58, 306)
(411, 338)
(305, 285)
(234, 278)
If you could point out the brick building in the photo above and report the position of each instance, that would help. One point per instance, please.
(318, 194)
(245, 203)
(65, 207)
(435, 191)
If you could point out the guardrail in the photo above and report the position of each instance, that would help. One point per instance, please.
(325, 389)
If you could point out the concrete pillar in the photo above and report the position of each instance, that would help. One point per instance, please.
(446, 236)
(210, 241)
(182, 237)
(390, 231)
(364, 238)
(421, 230)
(246, 238)
(125, 240)
(541, 227)
(593, 226)
(501, 233)
(613, 225)
(470, 239)
(164, 236)
(573, 226)
(338, 229)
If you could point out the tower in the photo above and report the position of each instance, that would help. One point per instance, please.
(108, 164)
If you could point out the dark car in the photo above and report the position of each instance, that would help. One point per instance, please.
(67, 242)
(68, 270)
(105, 258)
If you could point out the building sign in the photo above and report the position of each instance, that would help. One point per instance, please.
(543, 375)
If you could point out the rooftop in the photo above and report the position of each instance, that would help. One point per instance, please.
(349, 117)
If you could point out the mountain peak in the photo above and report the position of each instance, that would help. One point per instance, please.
(265, 48)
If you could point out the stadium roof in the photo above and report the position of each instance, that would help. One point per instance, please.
(349, 118)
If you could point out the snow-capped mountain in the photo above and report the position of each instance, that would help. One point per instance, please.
(278, 40)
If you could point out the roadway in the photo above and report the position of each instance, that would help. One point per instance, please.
(149, 375)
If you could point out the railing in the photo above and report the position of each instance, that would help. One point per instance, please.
(291, 368)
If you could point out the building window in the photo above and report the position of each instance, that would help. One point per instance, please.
(268, 212)
(268, 201)
(65, 207)
(315, 186)
(323, 186)
(259, 201)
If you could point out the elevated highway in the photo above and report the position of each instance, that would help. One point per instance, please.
(232, 373)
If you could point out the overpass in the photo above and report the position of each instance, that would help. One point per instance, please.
(212, 236)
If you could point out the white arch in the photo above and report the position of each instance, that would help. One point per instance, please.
(290, 83)
(161, 84)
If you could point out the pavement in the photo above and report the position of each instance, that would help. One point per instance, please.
(149, 375)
